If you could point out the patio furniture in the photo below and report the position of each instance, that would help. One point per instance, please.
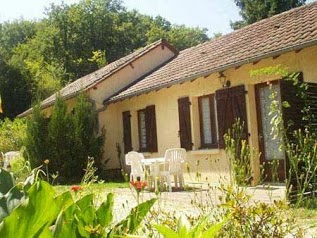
(173, 167)
(134, 160)
(7, 157)
(152, 166)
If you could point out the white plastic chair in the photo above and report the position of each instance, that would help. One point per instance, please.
(173, 167)
(134, 159)
(8, 157)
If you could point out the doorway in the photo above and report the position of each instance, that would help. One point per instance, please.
(272, 158)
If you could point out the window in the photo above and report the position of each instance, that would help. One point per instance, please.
(218, 112)
(207, 116)
(147, 129)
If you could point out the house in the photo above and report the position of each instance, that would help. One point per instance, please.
(158, 98)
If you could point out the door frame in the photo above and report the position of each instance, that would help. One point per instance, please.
(281, 170)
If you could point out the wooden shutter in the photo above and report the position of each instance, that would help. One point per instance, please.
(231, 104)
(311, 101)
(291, 115)
(150, 123)
(127, 139)
(184, 123)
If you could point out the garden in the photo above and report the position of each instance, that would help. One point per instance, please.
(56, 187)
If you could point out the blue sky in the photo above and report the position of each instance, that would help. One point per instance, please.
(212, 14)
(215, 15)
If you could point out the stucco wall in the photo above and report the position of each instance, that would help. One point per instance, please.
(129, 73)
(212, 163)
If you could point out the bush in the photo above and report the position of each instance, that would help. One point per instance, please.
(65, 139)
(12, 134)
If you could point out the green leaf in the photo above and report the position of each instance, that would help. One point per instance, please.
(134, 219)
(166, 231)
(213, 230)
(105, 211)
(183, 226)
(10, 201)
(86, 209)
(33, 216)
(65, 225)
(6, 181)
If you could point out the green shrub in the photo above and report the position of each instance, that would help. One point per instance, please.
(36, 141)
(240, 154)
(12, 134)
(65, 139)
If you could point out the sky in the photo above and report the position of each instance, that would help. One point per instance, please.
(215, 15)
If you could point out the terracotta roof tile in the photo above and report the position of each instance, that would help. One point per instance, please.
(285, 32)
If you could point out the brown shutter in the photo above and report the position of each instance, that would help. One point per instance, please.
(312, 103)
(293, 115)
(151, 135)
(127, 140)
(184, 123)
(231, 104)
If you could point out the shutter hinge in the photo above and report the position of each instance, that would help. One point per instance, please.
(189, 103)
(245, 92)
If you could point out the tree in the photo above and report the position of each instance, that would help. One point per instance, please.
(86, 140)
(14, 90)
(256, 10)
(36, 137)
(66, 139)
(38, 58)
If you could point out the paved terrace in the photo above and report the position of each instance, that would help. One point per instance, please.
(181, 202)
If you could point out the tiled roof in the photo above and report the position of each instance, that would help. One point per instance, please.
(90, 80)
(291, 30)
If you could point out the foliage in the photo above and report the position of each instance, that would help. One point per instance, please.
(37, 149)
(86, 142)
(202, 229)
(66, 139)
(20, 167)
(59, 141)
(256, 219)
(240, 154)
(12, 134)
(64, 217)
(299, 144)
(303, 166)
(253, 11)
(15, 90)
(11, 193)
(38, 58)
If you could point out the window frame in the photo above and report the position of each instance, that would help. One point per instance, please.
(150, 129)
(213, 122)
(142, 149)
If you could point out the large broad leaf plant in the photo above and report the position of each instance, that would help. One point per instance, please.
(33, 210)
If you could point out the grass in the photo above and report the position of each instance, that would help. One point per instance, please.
(97, 188)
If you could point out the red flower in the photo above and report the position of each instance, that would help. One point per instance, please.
(75, 188)
(138, 185)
